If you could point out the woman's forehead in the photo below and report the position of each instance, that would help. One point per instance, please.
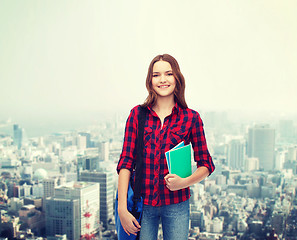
(162, 66)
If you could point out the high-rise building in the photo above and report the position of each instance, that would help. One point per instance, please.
(261, 142)
(280, 158)
(87, 193)
(37, 190)
(49, 185)
(221, 180)
(104, 151)
(278, 221)
(63, 217)
(17, 135)
(251, 164)
(88, 162)
(81, 142)
(197, 219)
(236, 154)
(88, 138)
(292, 154)
(105, 179)
(87, 218)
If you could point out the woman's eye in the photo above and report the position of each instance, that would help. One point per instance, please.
(170, 74)
(155, 75)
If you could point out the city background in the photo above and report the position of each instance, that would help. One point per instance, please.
(65, 182)
(71, 71)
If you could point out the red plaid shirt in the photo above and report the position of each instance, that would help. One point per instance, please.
(181, 125)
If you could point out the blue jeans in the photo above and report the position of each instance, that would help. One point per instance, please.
(174, 219)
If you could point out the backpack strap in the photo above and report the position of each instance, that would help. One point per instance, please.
(139, 152)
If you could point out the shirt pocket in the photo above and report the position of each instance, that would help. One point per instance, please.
(147, 136)
(178, 135)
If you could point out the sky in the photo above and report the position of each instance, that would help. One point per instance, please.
(68, 60)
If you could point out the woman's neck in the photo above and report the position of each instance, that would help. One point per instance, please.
(164, 104)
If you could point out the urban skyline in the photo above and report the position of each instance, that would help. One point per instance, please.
(244, 198)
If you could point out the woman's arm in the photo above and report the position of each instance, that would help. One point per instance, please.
(174, 182)
(123, 181)
(128, 221)
(124, 168)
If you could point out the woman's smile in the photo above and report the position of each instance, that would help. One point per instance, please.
(164, 86)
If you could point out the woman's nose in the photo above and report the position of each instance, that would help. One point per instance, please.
(163, 78)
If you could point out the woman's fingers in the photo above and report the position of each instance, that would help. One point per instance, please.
(132, 226)
(129, 222)
(131, 231)
(136, 223)
(174, 182)
(126, 231)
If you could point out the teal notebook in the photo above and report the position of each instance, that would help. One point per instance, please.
(181, 144)
(180, 161)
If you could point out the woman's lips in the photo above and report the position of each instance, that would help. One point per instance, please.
(164, 86)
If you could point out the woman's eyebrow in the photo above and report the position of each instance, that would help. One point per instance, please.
(165, 71)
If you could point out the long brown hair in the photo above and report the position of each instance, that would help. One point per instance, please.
(179, 91)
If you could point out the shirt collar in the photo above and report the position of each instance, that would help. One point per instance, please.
(175, 109)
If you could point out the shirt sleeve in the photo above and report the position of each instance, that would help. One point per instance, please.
(127, 156)
(201, 154)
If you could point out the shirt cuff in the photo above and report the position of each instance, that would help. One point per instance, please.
(205, 163)
(124, 166)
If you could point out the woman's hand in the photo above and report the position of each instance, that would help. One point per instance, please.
(129, 222)
(174, 182)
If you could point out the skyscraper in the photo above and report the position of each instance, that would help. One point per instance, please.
(251, 164)
(88, 138)
(87, 218)
(106, 192)
(261, 142)
(236, 154)
(104, 151)
(17, 136)
(81, 142)
(49, 185)
(88, 162)
(63, 217)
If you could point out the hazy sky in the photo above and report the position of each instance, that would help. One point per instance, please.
(61, 59)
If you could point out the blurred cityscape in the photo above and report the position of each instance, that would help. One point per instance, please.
(62, 185)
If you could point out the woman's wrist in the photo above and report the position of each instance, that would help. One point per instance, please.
(122, 209)
(186, 182)
(197, 176)
(122, 206)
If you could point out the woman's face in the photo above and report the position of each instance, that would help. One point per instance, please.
(163, 81)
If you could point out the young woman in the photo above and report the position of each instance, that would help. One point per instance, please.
(169, 121)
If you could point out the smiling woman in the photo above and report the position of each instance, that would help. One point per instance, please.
(168, 122)
(165, 68)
